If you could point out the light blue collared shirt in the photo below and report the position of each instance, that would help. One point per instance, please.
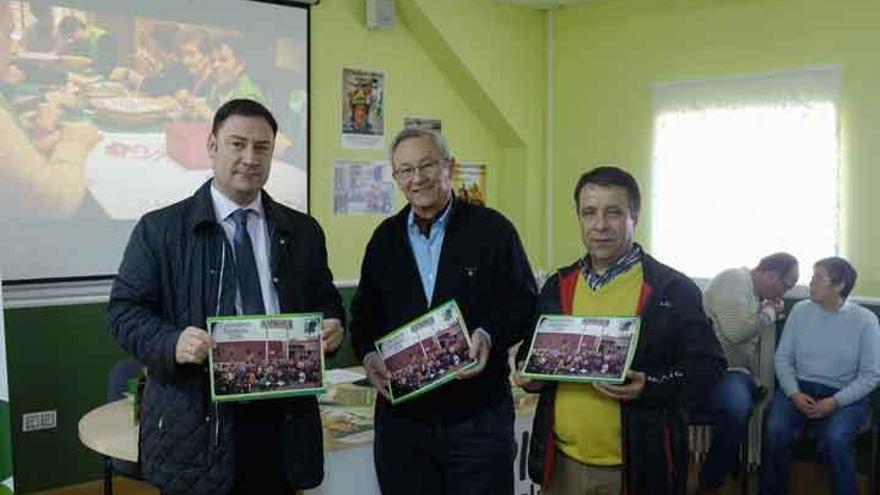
(426, 250)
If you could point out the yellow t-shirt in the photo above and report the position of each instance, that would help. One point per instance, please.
(587, 421)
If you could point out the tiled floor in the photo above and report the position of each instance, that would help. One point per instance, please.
(806, 479)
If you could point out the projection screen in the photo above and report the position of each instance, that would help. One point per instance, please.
(105, 109)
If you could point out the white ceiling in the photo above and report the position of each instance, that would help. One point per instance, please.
(547, 4)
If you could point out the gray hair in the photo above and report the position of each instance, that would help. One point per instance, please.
(781, 263)
(436, 138)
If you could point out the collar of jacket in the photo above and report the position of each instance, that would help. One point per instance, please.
(657, 276)
(202, 213)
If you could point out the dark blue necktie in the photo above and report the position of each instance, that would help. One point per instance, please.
(246, 267)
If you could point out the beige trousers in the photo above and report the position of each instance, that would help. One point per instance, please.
(570, 477)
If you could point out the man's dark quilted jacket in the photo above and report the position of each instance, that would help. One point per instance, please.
(176, 272)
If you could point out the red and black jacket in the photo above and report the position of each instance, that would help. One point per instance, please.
(682, 361)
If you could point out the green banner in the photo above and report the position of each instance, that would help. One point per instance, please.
(5, 425)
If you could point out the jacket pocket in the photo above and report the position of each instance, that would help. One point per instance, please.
(183, 429)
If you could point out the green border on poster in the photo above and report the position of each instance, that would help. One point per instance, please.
(442, 380)
(575, 379)
(279, 394)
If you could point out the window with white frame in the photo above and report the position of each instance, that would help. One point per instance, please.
(744, 167)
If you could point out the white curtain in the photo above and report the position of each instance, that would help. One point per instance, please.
(744, 167)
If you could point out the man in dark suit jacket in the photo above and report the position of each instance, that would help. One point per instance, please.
(458, 438)
(187, 262)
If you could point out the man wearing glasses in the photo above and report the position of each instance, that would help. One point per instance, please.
(743, 305)
(459, 437)
(827, 363)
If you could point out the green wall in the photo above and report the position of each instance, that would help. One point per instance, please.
(59, 358)
(496, 53)
(609, 53)
(441, 61)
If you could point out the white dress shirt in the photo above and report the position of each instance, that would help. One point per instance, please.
(259, 232)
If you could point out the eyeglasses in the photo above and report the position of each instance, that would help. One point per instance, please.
(406, 173)
(825, 279)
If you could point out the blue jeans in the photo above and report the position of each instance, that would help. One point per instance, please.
(835, 435)
(732, 405)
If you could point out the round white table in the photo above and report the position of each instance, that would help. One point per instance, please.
(110, 430)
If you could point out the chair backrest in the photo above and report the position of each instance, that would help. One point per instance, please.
(117, 379)
(117, 385)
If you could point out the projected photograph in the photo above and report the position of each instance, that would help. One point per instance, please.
(264, 357)
(582, 349)
(107, 105)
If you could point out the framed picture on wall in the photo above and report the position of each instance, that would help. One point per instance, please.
(469, 182)
(363, 109)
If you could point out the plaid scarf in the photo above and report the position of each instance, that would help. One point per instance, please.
(598, 280)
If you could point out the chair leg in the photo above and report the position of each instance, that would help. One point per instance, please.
(108, 476)
(744, 463)
(872, 473)
(524, 456)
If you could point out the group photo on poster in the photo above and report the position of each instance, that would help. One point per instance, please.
(426, 353)
(582, 349)
(256, 357)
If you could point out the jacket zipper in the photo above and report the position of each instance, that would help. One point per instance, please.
(217, 313)
(216, 424)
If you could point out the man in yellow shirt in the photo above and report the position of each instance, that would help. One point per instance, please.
(629, 438)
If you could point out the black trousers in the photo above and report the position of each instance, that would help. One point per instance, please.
(474, 456)
(259, 467)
